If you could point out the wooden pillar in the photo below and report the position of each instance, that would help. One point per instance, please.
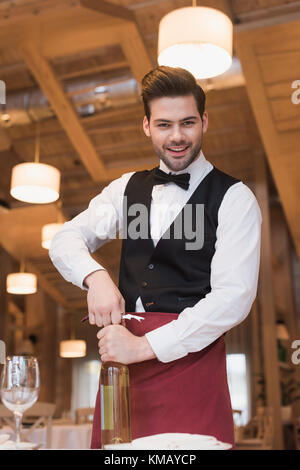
(283, 282)
(8, 265)
(284, 297)
(266, 298)
(41, 322)
(256, 356)
(63, 388)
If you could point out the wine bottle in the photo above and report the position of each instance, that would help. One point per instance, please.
(115, 404)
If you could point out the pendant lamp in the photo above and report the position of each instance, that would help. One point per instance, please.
(36, 183)
(198, 39)
(49, 230)
(21, 283)
(72, 347)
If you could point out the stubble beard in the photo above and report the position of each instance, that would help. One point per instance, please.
(181, 163)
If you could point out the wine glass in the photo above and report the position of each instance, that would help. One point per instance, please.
(20, 383)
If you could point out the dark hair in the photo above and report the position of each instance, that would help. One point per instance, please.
(170, 81)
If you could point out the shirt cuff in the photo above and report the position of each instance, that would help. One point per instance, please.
(165, 344)
(88, 268)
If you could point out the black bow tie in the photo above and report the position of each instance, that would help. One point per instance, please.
(182, 180)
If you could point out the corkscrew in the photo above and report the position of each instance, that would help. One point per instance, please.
(128, 316)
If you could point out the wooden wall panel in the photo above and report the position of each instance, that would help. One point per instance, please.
(268, 42)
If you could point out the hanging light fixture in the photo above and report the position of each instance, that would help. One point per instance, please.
(36, 182)
(48, 232)
(198, 39)
(21, 283)
(72, 347)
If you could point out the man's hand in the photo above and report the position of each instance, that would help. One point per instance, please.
(117, 344)
(105, 302)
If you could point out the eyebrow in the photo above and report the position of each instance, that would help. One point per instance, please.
(181, 120)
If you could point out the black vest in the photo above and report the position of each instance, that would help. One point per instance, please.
(169, 277)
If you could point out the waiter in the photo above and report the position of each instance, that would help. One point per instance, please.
(191, 290)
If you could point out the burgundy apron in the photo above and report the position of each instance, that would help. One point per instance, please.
(188, 395)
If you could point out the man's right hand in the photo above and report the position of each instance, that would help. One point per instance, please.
(105, 302)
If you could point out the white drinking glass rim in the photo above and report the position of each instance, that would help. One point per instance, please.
(23, 356)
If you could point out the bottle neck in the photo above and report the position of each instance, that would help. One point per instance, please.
(113, 364)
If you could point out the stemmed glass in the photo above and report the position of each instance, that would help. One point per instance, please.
(20, 384)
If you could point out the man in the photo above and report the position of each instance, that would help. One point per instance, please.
(190, 293)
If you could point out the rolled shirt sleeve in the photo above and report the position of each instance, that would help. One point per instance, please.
(234, 279)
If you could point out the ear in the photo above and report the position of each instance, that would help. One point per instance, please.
(146, 126)
(205, 121)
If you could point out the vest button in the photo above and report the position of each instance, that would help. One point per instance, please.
(150, 266)
(144, 284)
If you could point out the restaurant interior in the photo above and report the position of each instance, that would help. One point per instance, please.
(70, 74)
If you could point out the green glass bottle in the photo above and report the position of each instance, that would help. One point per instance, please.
(115, 404)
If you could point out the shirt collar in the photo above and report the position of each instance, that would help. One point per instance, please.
(195, 169)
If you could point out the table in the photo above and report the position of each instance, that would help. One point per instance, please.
(64, 436)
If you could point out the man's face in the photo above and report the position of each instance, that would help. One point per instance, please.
(176, 130)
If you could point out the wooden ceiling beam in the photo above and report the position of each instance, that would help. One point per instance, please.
(15, 310)
(82, 36)
(36, 9)
(135, 51)
(119, 66)
(64, 109)
(110, 9)
(55, 31)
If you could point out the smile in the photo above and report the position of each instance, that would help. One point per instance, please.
(178, 149)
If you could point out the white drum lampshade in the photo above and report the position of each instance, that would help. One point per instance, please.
(72, 348)
(198, 39)
(21, 283)
(48, 232)
(35, 183)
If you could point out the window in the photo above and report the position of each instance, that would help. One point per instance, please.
(85, 382)
(238, 386)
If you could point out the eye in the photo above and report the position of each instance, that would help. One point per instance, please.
(164, 124)
(188, 123)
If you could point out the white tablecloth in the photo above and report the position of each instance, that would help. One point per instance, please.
(64, 436)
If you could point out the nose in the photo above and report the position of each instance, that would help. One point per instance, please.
(176, 135)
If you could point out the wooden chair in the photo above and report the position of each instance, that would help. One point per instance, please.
(259, 433)
(39, 414)
(84, 415)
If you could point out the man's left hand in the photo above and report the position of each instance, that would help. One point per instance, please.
(117, 344)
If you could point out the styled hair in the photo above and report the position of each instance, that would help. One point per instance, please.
(170, 81)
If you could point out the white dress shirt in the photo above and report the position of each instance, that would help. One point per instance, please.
(234, 266)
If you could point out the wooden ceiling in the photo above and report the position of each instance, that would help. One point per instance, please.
(54, 53)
